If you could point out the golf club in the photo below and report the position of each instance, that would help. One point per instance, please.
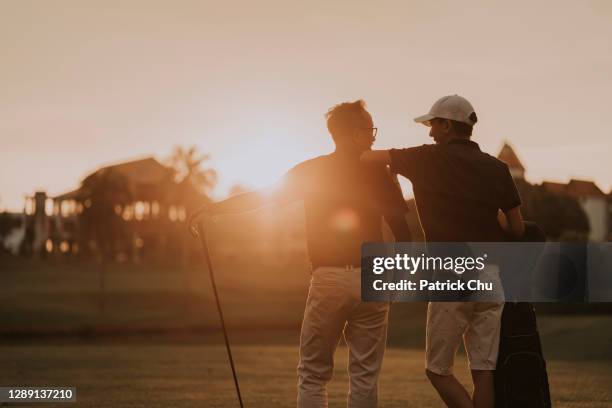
(200, 232)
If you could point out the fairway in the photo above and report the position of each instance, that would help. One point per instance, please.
(156, 342)
(185, 374)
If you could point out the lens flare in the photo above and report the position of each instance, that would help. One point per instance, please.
(345, 220)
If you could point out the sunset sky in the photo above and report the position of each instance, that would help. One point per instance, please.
(84, 84)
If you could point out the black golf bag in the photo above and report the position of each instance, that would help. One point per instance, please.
(521, 380)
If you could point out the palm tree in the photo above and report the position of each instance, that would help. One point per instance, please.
(187, 165)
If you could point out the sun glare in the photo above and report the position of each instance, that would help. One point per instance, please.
(260, 164)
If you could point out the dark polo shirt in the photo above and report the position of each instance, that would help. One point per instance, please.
(344, 201)
(458, 190)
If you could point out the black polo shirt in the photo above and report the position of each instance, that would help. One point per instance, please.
(344, 202)
(458, 190)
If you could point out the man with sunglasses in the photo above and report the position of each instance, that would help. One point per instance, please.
(345, 201)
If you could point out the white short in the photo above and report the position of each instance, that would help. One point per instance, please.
(477, 323)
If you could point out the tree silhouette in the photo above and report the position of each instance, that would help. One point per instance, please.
(187, 165)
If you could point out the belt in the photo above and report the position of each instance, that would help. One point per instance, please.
(347, 267)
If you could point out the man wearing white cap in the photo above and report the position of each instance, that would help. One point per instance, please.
(462, 195)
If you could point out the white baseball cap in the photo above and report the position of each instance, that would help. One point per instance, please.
(453, 107)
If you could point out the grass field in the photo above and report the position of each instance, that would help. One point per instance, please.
(187, 374)
(151, 339)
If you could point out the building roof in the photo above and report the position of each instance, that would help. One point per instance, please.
(143, 171)
(142, 174)
(575, 188)
(557, 188)
(70, 195)
(508, 156)
(583, 188)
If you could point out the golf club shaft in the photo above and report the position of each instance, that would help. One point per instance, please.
(214, 287)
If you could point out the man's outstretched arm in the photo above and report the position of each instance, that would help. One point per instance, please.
(376, 157)
(243, 202)
(287, 190)
(236, 204)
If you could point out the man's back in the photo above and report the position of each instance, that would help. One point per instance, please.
(458, 190)
(344, 201)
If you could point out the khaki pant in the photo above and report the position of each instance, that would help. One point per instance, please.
(334, 308)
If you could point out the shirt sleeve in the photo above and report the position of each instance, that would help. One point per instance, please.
(408, 162)
(510, 197)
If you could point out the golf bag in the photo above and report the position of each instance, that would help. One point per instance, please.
(521, 380)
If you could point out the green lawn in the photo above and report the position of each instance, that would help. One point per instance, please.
(151, 338)
(187, 374)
